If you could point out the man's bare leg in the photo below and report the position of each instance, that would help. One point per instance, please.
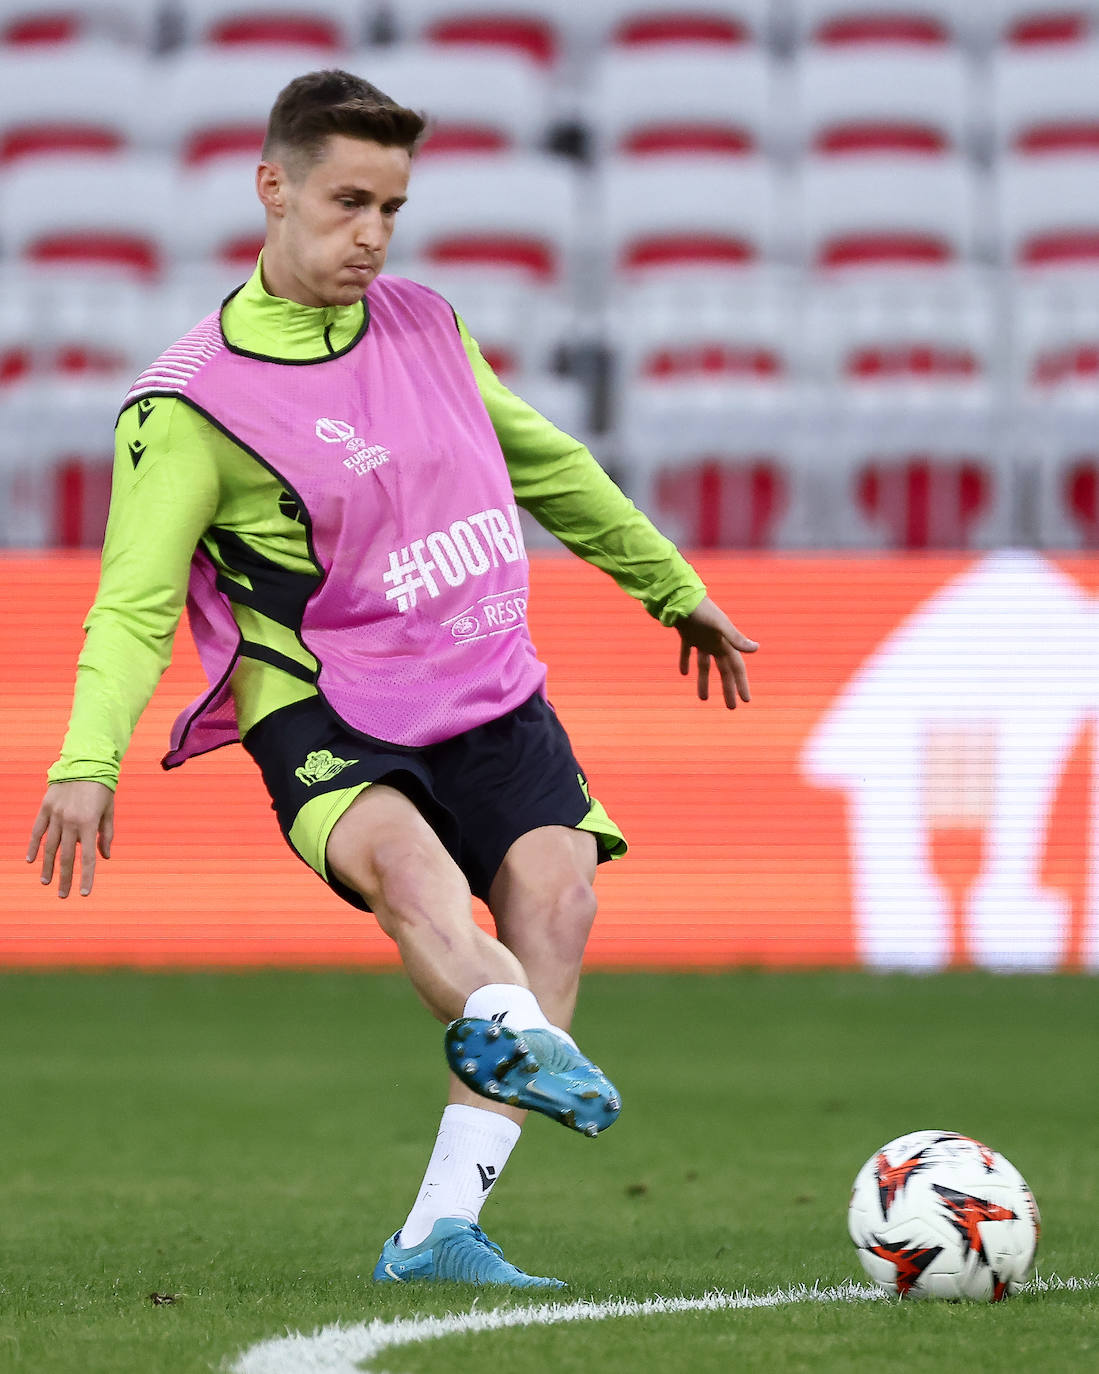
(384, 849)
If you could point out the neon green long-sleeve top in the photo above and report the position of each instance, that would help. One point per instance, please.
(176, 477)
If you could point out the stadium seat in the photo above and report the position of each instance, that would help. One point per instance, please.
(1046, 99)
(909, 480)
(904, 23)
(56, 455)
(73, 98)
(1054, 341)
(478, 99)
(1036, 23)
(541, 30)
(745, 330)
(1067, 488)
(876, 213)
(928, 345)
(654, 100)
(903, 101)
(325, 26)
(506, 212)
(1049, 211)
(107, 212)
(715, 464)
(26, 25)
(686, 213)
(55, 325)
(225, 221)
(659, 23)
(521, 326)
(214, 103)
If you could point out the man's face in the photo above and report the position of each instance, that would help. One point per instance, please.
(329, 226)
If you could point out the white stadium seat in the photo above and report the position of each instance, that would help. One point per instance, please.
(103, 213)
(1048, 210)
(477, 99)
(213, 103)
(27, 25)
(72, 98)
(521, 326)
(326, 26)
(744, 330)
(692, 23)
(1045, 99)
(540, 30)
(668, 99)
(877, 213)
(716, 464)
(904, 23)
(901, 100)
(225, 221)
(1027, 23)
(56, 452)
(507, 212)
(928, 345)
(907, 479)
(686, 213)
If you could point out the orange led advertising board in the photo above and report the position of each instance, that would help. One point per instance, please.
(913, 784)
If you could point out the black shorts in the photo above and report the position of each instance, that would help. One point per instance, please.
(479, 791)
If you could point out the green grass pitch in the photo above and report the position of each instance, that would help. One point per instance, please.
(243, 1144)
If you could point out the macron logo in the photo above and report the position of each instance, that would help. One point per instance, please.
(334, 431)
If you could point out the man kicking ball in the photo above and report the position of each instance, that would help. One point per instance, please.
(328, 472)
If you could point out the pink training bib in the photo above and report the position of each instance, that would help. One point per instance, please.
(419, 621)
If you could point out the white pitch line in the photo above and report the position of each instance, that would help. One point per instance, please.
(339, 1349)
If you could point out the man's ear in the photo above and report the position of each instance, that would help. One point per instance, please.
(271, 186)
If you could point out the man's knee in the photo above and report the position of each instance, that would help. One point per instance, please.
(391, 857)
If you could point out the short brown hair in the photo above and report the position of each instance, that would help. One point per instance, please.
(314, 106)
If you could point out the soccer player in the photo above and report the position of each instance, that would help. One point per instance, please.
(328, 471)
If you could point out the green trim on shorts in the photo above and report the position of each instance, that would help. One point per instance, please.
(599, 824)
(316, 820)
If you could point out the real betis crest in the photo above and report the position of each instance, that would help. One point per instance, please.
(321, 765)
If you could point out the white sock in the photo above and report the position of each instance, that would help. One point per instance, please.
(470, 1152)
(512, 1006)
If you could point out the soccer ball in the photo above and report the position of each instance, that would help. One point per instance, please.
(935, 1214)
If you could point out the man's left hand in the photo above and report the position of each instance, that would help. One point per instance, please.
(710, 632)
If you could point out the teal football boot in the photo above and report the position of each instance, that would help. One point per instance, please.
(534, 1069)
(456, 1251)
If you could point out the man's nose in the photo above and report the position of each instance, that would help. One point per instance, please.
(370, 229)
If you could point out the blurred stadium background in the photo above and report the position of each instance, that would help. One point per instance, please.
(818, 277)
(806, 273)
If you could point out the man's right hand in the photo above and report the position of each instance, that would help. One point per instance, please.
(71, 814)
